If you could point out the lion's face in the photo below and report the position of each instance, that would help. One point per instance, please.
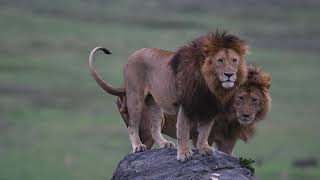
(247, 104)
(226, 64)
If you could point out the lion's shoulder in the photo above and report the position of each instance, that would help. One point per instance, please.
(192, 91)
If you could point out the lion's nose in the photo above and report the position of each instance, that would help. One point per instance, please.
(245, 115)
(228, 74)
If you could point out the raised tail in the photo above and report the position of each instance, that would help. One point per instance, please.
(116, 91)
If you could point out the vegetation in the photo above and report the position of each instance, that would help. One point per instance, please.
(247, 163)
(56, 123)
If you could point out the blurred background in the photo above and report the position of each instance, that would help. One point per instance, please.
(57, 123)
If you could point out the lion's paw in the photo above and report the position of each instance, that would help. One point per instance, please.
(168, 144)
(139, 148)
(184, 155)
(207, 150)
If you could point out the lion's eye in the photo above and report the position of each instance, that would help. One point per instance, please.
(220, 60)
(254, 99)
(241, 98)
(234, 60)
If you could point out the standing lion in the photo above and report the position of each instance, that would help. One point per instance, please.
(249, 105)
(193, 83)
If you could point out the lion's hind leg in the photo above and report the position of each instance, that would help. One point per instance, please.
(135, 103)
(123, 110)
(145, 127)
(155, 117)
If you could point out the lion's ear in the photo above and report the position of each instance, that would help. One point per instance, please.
(267, 80)
(205, 51)
(245, 49)
(268, 84)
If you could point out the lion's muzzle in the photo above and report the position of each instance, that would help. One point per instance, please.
(228, 79)
(246, 119)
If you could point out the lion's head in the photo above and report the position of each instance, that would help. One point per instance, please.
(224, 65)
(252, 101)
(208, 72)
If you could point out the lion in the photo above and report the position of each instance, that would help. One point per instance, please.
(193, 83)
(249, 105)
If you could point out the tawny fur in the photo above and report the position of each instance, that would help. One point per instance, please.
(226, 129)
(161, 81)
(202, 85)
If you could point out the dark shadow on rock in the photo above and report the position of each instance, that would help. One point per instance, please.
(161, 164)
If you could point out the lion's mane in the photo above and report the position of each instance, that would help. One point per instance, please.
(198, 89)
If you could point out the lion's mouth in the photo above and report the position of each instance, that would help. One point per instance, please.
(245, 121)
(228, 84)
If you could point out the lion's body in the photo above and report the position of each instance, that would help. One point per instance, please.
(226, 130)
(193, 84)
(148, 73)
(150, 90)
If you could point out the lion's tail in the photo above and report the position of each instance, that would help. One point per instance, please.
(116, 91)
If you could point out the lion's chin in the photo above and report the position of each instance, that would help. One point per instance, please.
(244, 122)
(227, 84)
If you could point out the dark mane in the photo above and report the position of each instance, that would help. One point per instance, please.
(192, 90)
(261, 80)
(209, 44)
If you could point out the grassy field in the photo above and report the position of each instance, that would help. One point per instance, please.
(56, 123)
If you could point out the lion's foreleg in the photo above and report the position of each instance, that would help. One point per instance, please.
(183, 134)
(204, 129)
(226, 145)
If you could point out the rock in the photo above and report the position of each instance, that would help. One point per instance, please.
(161, 164)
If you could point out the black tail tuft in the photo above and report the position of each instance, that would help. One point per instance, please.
(106, 51)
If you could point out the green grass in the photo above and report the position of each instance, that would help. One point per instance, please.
(56, 123)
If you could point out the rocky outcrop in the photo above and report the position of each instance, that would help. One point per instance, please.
(161, 164)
